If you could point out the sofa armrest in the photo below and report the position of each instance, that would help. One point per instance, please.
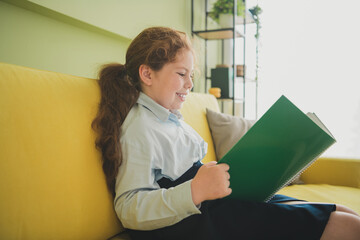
(334, 171)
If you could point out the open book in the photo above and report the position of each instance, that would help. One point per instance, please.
(275, 150)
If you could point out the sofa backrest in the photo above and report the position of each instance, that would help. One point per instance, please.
(194, 113)
(51, 180)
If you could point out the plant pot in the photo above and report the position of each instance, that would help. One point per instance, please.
(226, 20)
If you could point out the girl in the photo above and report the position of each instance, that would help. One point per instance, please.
(151, 159)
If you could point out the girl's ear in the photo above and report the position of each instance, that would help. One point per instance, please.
(145, 74)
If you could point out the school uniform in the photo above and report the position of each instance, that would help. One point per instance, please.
(161, 154)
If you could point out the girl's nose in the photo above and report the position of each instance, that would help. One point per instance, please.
(189, 83)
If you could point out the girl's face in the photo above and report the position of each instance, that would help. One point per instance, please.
(170, 86)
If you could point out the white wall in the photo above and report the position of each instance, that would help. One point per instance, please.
(310, 52)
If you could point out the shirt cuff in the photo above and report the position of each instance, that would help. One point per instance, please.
(183, 199)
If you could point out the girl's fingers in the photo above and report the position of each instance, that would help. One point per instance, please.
(224, 166)
(212, 163)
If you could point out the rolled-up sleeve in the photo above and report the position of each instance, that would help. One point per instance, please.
(149, 209)
(140, 203)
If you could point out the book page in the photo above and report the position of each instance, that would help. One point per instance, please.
(316, 120)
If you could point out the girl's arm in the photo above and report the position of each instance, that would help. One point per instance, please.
(145, 209)
(140, 203)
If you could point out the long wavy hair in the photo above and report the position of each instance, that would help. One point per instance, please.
(120, 86)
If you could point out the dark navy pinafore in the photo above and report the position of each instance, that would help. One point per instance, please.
(227, 219)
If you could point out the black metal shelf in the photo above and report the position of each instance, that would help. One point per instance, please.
(222, 34)
(218, 34)
(235, 99)
(240, 20)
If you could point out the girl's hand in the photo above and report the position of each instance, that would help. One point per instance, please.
(210, 182)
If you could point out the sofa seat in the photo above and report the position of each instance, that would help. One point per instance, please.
(348, 196)
(51, 180)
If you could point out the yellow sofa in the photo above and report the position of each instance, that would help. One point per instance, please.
(51, 181)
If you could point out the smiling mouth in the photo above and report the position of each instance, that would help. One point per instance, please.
(182, 96)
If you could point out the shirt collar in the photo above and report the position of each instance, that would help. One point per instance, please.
(159, 111)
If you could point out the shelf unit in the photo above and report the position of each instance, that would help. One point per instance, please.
(223, 34)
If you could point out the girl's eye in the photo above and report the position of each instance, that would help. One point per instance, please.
(182, 74)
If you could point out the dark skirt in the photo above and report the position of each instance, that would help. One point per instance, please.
(236, 219)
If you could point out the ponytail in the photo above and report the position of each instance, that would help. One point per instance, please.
(118, 95)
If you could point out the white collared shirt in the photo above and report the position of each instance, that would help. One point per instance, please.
(155, 143)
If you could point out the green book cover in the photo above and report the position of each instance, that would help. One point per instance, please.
(276, 149)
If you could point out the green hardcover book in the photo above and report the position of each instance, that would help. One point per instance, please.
(278, 147)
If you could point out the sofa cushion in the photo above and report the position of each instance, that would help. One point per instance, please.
(194, 113)
(348, 196)
(335, 171)
(226, 130)
(51, 179)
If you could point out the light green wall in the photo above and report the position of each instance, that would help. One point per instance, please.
(125, 17)
(77, 36)
(33, 40)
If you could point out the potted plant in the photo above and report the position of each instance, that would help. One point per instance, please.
(255, 12)
(222, 11)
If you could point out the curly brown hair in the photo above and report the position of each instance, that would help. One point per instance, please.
(120, 86)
